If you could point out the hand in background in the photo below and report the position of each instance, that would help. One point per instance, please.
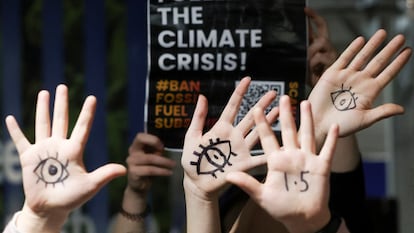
(321, 52)
(145, 161)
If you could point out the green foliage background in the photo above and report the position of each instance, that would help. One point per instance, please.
(116, 83)
(73, 22)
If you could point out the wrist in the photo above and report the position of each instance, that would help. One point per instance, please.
(308, 224)
(191, 190)
(29, 221)
(134, 202)
(136, 217)
(332, 226)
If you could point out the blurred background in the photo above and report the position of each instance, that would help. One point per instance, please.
(99, 47)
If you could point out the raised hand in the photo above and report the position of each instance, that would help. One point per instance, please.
(347, 90)
(207, 158)
(54, 177)
(296, 189)
(321, 52)
(145, 161)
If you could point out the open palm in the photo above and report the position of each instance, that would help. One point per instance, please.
(296, 189)
(353, 83)
(208, 158)
(54, 177)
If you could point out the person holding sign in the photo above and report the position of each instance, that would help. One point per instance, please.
(55, 180)
(145, 161)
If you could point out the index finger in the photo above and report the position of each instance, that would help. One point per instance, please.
(197, 122)
(267, 136)
(147, 142)
(232, 106)
(319, 21)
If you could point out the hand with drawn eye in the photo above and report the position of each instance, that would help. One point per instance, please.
(207, 158)
(296, 188)
(321, 52)
(346, 92)
(55, 180)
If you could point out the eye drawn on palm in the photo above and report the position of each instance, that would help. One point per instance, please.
(54, 176)
(208, 158)
(296, 184)
(355, 80)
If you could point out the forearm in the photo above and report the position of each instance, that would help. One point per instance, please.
(202, 212)
(347, 155)
(133, 203)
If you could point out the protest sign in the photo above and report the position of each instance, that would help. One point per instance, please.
(205, 47)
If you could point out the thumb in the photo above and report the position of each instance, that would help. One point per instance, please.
(102, 175)
(246, 182)
(382, 112)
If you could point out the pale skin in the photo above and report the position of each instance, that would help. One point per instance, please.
(357, 67)
(321, 52)
(365, 74)
(52, 167)
(321, 55)
(296, 189)
(202, 190)
(145, 161)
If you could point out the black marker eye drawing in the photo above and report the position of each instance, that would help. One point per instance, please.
(344, 100)
(51, 171)
(217, 156)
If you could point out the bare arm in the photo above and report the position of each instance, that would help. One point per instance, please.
(145, 161)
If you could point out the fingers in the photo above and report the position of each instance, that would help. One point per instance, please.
(247, 183)
(394, 68)
(145, 171)
(247, 123)
(381, 60)
(232, 107)
(197, 122)
(328, 148)
(146, 142)
(307, 136)
(152, 160)
(368, 50)
(349, 53)
(60, 113)
(319, 22)
(84, 123)
(288, 125)
(42, 121)
(266, 134)
(253, 137)
(20, 141)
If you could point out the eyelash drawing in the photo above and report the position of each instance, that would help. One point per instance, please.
(51, 170)
(217, 154)
(343, 99)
